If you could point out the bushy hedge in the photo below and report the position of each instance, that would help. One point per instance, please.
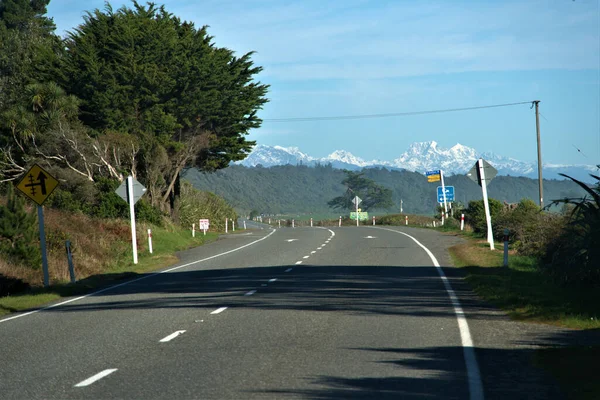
(475, 214)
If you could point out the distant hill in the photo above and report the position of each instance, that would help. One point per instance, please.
(302, 189)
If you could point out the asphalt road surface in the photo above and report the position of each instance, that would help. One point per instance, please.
(304, 313)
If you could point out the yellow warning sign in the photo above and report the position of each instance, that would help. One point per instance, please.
(37, 184)
(433, 178)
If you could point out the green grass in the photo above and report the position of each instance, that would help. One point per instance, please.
(523, 291)
(165, 243)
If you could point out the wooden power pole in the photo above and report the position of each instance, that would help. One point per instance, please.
(539, 150)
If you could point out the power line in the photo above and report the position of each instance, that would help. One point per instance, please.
(399, 114)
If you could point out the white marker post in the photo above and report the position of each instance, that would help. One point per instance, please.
(488, 218)
(193, 230)
(232, 225)
(279, 222)
(444, 194)
(373, 220)
(406, 220)
(244, 227)
(311, 223)
(132, 217)
(442, 217)
(462, 222)
(356, 211)
(226, 223)
(293, 226)
(150, 241)
(340, 225)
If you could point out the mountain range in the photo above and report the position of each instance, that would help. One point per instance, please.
(420, 157)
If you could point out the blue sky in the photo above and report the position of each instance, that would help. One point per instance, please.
(353, 57)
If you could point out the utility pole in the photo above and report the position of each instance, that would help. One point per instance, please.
(539, 150)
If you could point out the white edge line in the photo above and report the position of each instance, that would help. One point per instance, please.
(250, 293)
(219, 310)
(473, 374)
(171, 336)
(288, 270)
(272, 280)
(96, 377)
(135, 280)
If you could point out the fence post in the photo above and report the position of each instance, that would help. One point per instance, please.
(70, 261)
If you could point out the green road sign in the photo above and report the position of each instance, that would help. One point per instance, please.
(362, 216)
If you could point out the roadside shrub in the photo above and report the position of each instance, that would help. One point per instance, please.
(573, 258)
(530, 228)
(475, 214)
(18, 232)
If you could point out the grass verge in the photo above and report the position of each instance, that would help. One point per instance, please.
(166, 241)
(522, 291)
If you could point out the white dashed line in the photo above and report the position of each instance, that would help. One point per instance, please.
(305, 257)
(96, 377)
(319, 248)
(171, 336)
(272, 280)
(219, 310)
(298, 262)
(289, 269)
(313, 252)
(324, 244)
(250, 293)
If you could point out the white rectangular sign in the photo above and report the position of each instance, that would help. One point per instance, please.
(204, 224)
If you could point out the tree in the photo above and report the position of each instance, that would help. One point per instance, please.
(143, 73)
(371, 194)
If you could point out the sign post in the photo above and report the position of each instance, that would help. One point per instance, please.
(481, 173)
(131, 191)
(444, 195)
(36, 178)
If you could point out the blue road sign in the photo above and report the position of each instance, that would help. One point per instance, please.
(449, 194)
(435, 172)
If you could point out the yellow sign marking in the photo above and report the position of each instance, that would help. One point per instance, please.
(37, 184)
(433, 178)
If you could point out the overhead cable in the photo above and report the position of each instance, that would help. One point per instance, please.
(398, 114)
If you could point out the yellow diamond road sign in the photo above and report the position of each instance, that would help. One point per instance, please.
(37, 184)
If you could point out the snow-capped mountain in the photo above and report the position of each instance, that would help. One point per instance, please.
(420, 157)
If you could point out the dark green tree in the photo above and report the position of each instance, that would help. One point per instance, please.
(475, 214)
(18, 232)
(371, 194)
(141, 72)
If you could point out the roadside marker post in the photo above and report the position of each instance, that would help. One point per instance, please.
(279, 222)
(406, 220)
(442, 217)
(311, 222)
(505, 238)
(462, 222)
(244, 227)
(373, 220)
(232, 225)
(226, 223)
(194, 230)
(340, 224)
(150, 240)
(293, 225)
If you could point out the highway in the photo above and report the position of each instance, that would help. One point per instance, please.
(304, 313)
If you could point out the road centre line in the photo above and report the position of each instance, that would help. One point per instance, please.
(219, 310)
(298, 262)
(171, 336)
(250, 293)
(473, 374)
(96, 377)
(313, 252)
(305, 257)
(319, 248)
(136, 280)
